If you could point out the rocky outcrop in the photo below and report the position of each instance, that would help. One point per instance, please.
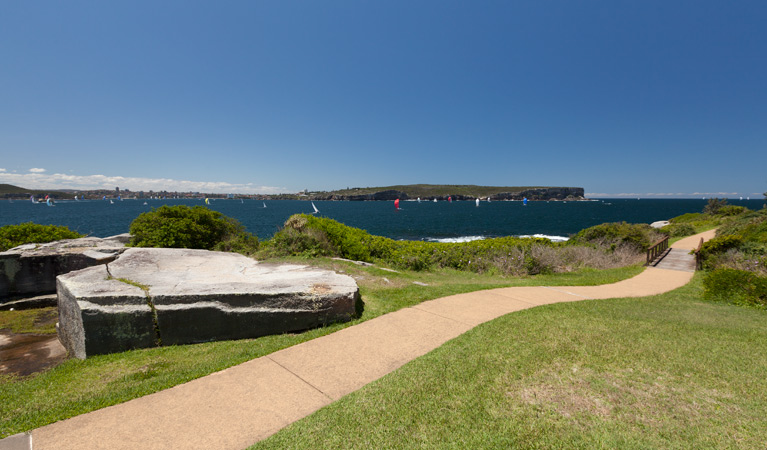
(387, 195)
(31, 269)
(553, 193)
(150, 297)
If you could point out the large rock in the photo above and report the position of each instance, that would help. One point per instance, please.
(150, 297)
(31, 269)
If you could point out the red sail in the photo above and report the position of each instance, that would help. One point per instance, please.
(396, 203)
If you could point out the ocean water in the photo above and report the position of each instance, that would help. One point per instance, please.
(441, 221)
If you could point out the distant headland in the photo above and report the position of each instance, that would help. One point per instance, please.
(443, 191)
(426, 192)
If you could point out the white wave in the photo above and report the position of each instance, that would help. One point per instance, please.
(456, 239)
(551, 238)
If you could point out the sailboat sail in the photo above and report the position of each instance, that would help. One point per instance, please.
(315, 209)
(396, 204)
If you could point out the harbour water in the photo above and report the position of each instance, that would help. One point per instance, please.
(441, 221)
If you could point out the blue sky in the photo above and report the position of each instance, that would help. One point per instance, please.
(643, 98)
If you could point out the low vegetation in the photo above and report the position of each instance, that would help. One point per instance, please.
(31, 233)
(197, 227)
(736, 260)
(601, 247)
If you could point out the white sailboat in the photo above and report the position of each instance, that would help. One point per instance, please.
(477, 202)
(315, 209)
(265, 205)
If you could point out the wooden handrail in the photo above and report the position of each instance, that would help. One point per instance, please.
(698, 258)
(656, 249)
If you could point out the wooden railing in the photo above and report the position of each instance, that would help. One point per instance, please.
(656, 249)
(698, 258)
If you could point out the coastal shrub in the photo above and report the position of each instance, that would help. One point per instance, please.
(679, 229)
(731, 210)
(31, 233)
(611, 235)
(736, 286)
(714, 205)
(307, 235)
(183, 227)
(687, 218)
(713, 250)
(752, 226)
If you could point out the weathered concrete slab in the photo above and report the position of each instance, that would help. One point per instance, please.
(31, 269)
(150, 297)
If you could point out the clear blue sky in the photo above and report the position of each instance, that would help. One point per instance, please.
(619, 97)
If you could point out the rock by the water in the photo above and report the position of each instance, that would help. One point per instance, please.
(31, 269)
(149, 297)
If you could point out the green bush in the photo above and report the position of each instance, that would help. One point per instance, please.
(714, 205)
(184, 227)
(687, 218)
(715, 247)
(731, 210)
(639, 236)
(736, 286)
(679, 229)
(32, 233)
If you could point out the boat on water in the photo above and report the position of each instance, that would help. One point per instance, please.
(477, 202)
(396, 204)
(264, 204)
(315, 209)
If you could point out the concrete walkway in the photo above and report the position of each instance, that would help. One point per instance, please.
(239, 406)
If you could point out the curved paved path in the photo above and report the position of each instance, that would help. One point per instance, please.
(239, 406)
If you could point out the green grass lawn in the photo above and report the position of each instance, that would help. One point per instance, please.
(80, 386)
(668, 371)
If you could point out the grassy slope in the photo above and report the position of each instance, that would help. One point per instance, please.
(668, 371)
(77, 387)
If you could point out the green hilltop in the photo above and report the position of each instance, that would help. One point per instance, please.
(430, 190)
(11, 191)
